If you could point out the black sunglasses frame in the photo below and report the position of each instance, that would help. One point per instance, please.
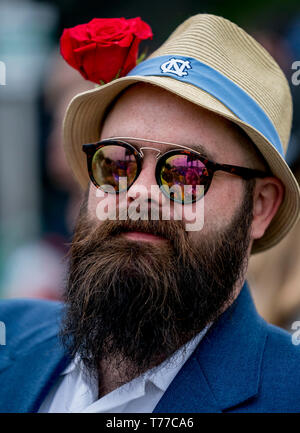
(211, 166)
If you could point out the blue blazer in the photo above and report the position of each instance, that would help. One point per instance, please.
(243, 364)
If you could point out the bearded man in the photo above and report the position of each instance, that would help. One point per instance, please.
(158, 318)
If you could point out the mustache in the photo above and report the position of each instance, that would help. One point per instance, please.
(93, 232)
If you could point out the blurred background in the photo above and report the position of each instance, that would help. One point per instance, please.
(38, 197)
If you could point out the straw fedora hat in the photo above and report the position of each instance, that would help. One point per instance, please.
(213, 63)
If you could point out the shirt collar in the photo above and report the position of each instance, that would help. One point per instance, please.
(163, 374)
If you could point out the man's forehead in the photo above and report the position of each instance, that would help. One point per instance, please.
(145, 94)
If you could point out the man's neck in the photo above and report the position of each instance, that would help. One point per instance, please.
(114, 373)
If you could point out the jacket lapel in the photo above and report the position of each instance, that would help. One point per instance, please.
(32, 374)
(224, 370)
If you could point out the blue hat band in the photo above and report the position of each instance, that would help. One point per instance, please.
(192, 71)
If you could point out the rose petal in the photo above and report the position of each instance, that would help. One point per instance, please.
(79, 33)
(141, 29)
(131, 58)
(66, 49)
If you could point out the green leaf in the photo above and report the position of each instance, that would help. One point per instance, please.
(141, 58)
(118, 74)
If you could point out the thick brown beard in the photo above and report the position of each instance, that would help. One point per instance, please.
(139, 302)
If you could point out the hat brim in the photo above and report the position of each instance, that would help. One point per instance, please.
(82, 124)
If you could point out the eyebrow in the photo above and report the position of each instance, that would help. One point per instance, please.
(202, 150)
(196, 147)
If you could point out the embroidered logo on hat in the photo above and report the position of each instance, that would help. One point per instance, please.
(176, 66)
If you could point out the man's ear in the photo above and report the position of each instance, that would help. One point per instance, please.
(268, 195)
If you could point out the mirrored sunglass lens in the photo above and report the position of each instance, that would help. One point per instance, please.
(184, 177)
(111, 165)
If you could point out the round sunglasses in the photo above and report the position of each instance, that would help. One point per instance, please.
(183, 174)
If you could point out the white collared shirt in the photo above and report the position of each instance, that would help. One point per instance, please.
(77, 392)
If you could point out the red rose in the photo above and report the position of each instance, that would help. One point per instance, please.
(104, 48)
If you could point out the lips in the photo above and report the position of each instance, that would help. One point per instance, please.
(143, 237)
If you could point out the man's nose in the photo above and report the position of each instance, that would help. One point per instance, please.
(145, 187)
